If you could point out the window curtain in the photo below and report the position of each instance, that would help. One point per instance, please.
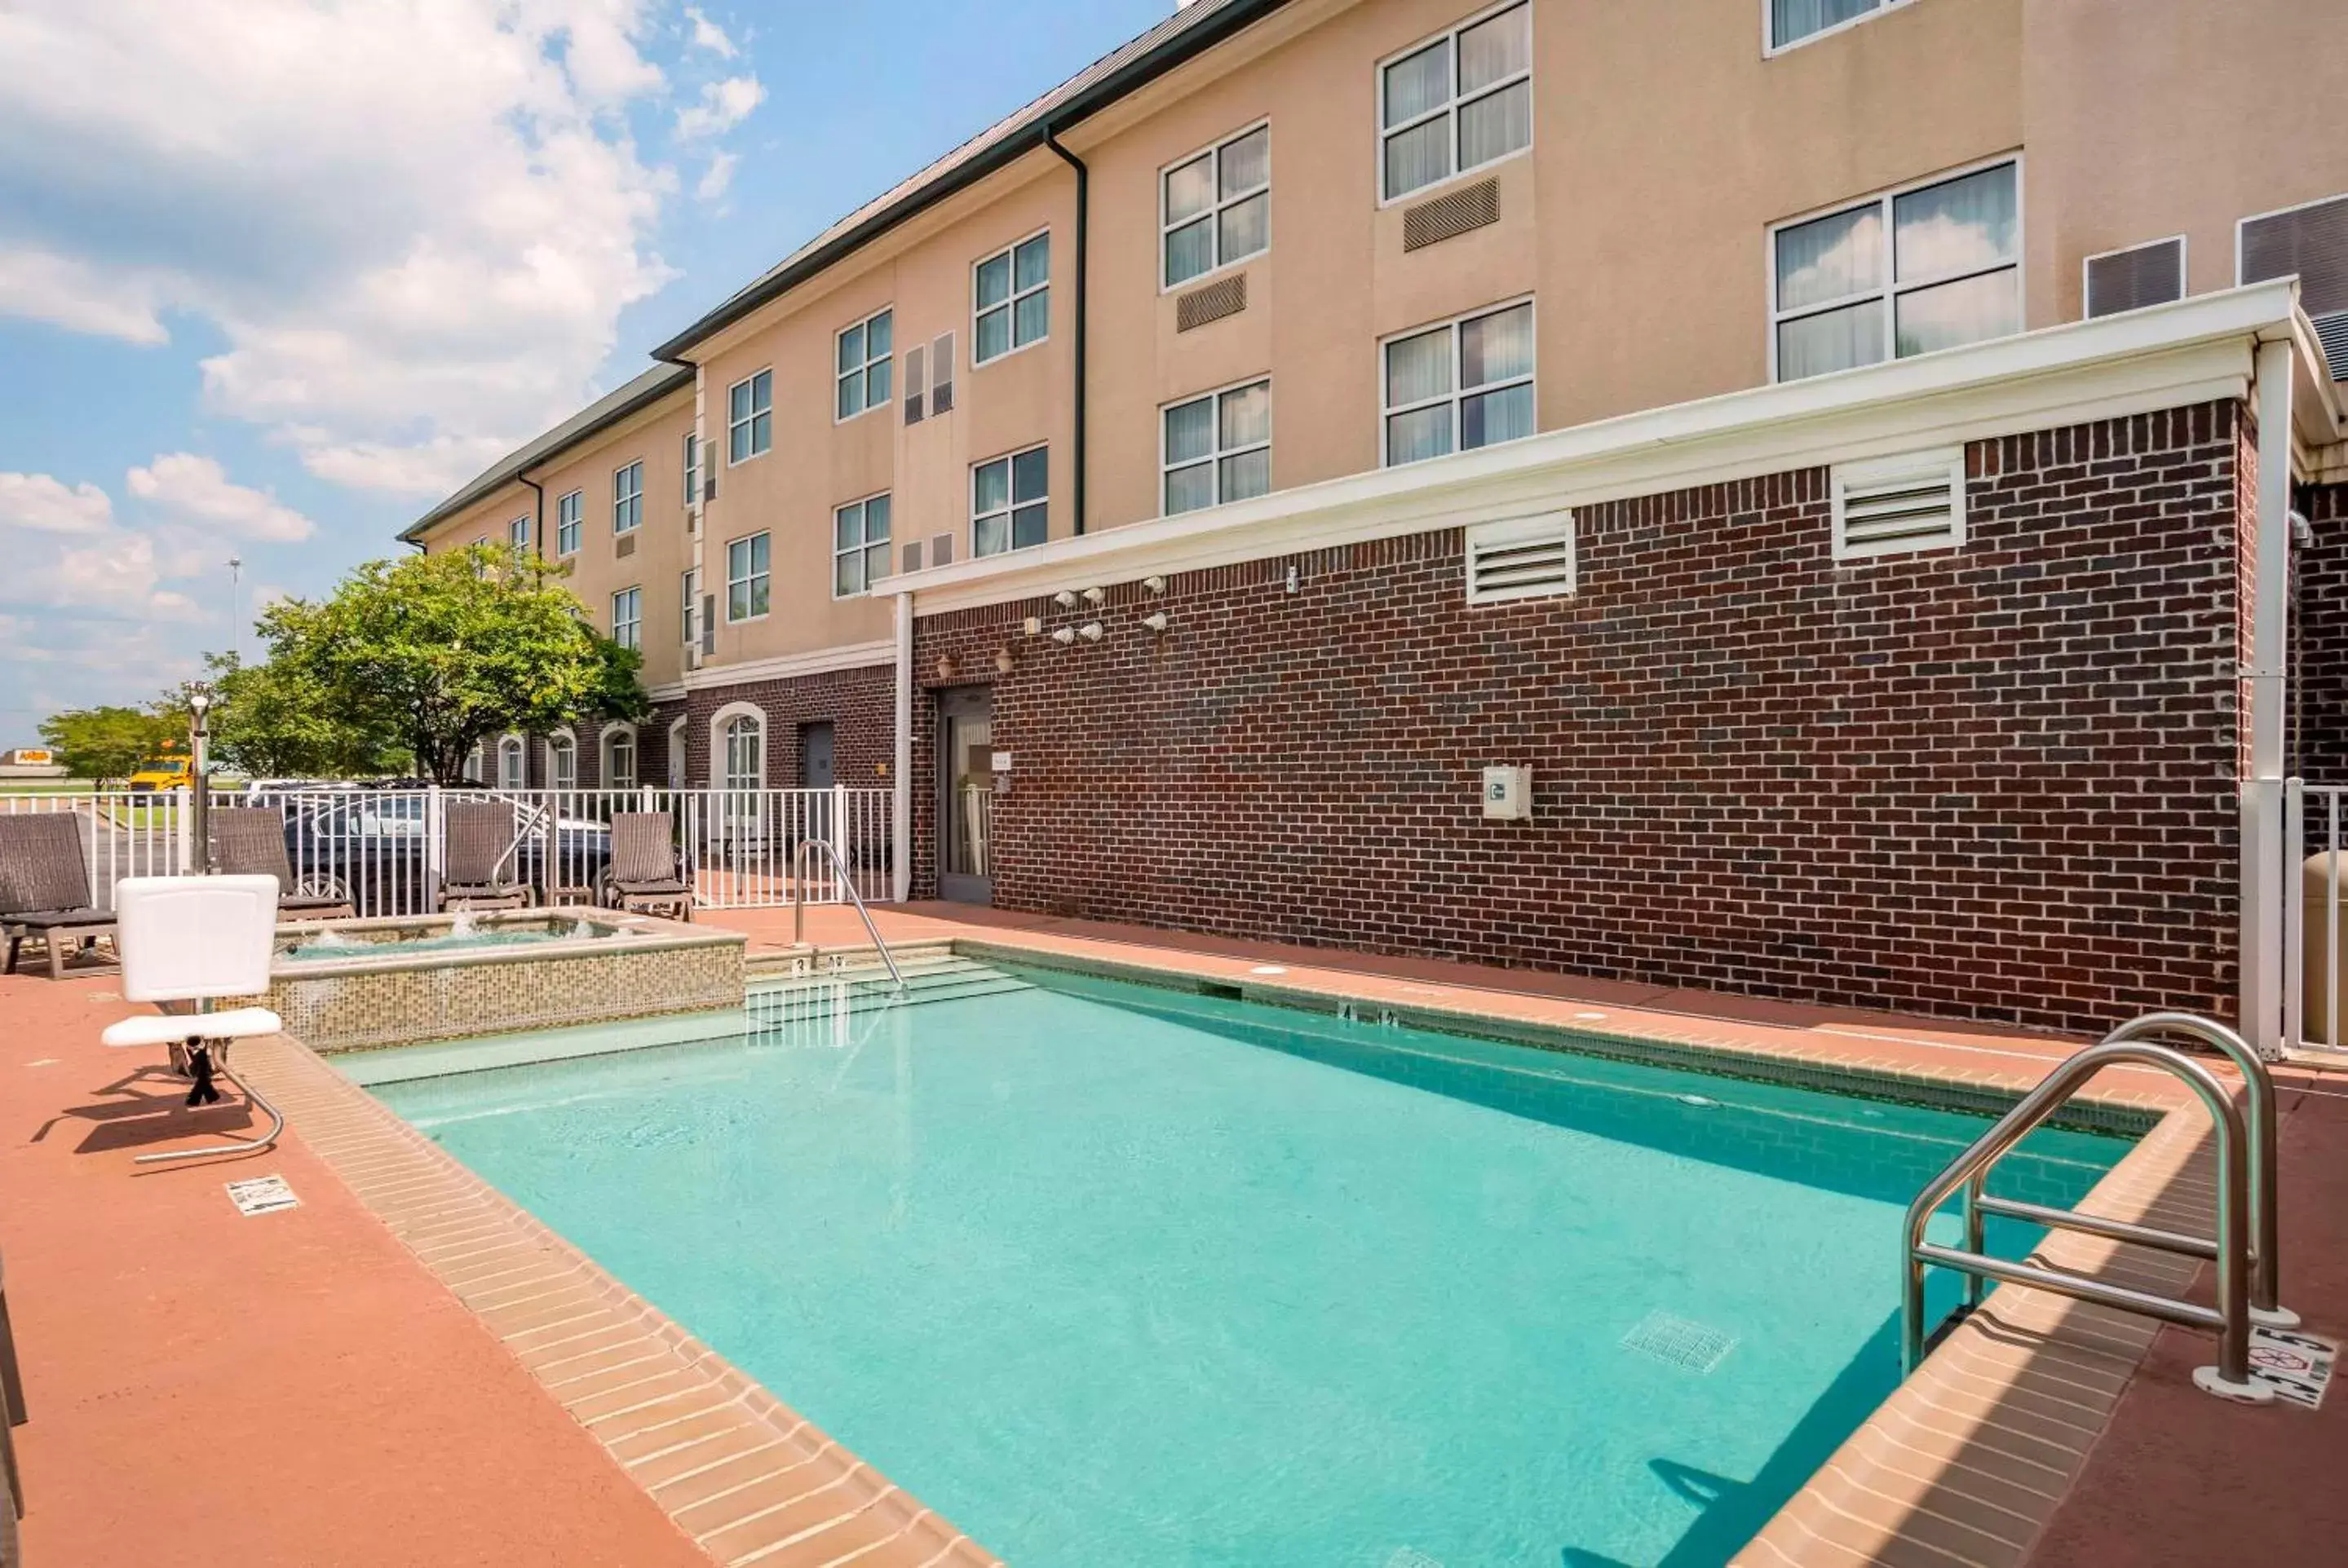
(1791, 20)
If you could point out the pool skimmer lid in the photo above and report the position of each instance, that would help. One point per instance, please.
(1679, 1342)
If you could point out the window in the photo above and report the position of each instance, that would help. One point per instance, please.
(1216, 207)
(517, 533)
(628, 497)
(859, 546)
(746, 753)
(746, 578)
(476, 765)
(561, 762)
(1218, 449)
(1792, 22)
(1905, 274)
(692, 469)
(691, 619)
(1008, 507)
(1013, 294)
(628, 617)
(1458, 386)
(1459, 103)
(512, 772)
(620, 758)
(862, 369)
(750, 417)
(567, 513)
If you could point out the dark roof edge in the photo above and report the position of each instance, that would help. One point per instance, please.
(631, 397)
(1144, 68)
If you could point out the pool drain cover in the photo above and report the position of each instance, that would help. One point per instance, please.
(1678, 1342)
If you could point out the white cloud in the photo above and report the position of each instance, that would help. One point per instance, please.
(413, 222)
(717, 176)
(46, 506)
(707, 34)
(723, 106)
(199, 489)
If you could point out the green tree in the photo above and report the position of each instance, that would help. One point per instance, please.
(274, 720)
(445, 650)
(104, 744)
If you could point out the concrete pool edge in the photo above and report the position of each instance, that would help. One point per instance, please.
(741, 1473)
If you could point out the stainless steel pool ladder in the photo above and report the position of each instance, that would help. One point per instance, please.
(2245, 1248)
(848, 885)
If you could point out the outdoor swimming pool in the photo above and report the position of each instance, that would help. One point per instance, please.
(1108, 1274)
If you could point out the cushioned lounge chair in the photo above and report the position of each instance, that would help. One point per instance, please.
(45, 886)
(644, 877)
(250, 841)
(482, 868)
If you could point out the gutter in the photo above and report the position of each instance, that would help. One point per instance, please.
(1135, 73)
(538, 513)
(1084, 237)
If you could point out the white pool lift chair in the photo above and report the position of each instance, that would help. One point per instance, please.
(195, 939)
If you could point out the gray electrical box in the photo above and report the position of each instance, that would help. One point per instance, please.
(1508, 795)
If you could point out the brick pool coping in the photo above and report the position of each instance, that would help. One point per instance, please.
(1965, 1461)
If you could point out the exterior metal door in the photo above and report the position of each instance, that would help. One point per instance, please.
(815, 755)
(966, 794)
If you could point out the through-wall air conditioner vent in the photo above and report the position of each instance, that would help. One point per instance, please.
(913, 555)
(708, 624)
(942, 549)
(624, 546)
(2311, 241)
(1211, 303)
(941, 369)
(1448, 217)
(2141, 275)
(916, 383)
(1894, 505)
(693, 656)
(1523, 557)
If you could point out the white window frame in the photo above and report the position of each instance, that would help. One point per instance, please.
(732, 618)
(1213, 460)
(1457, 394)
(1011, 504)
(562, 743)
(1009, 305)
(634, 624)
(1214, 153)
(628, 497)
(692, 468)
(518, 532)
(750, 420)
(865, 367)
(604, 773)
(859, 551)
(569, 521)
(2183, 263)
(689, 586)
(721, 775)
(1890, 289)
(1770, 50)
(1381, 132)
(511, 745)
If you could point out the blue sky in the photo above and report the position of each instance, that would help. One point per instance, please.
(276, 274)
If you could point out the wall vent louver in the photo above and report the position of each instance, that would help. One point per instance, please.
(2311, 242)
(1899, 505)
(1448, 217)
(941, 374)
(916, 384)
(913, 555)
(1523, 557)
(1226, 297)
(708, 625)
(942, 549)
(2141, 275)
(625, 545)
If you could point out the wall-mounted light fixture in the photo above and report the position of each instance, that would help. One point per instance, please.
(1003, 662)
(1090, 631)
(946, 670)
(1154, 584)
(1157, 623)
(1094, 595)
(1065, 599)
(1064, 636)
(1294, 576)
(1033, 626)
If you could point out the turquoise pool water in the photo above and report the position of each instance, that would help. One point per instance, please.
(1109, 1274)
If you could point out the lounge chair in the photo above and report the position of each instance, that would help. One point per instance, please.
(250, 841)
(644, 877)
(482, 868)
(45, 886)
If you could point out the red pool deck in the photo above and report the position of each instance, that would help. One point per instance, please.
(351, 1381)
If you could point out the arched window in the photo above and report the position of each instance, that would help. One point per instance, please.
(477, 764)
(620, 757)
(745, 752)
(562, 761)
(512, 773)
(676, 769)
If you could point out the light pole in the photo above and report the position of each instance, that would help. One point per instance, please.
(235, 617)
(199, 794)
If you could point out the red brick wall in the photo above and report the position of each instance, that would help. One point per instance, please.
(861, 706)
(1996, 783)
(2319, 738)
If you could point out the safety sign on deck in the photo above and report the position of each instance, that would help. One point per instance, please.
(261, 1195)
(2298, 1366)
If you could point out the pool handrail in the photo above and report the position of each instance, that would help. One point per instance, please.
(848, 885)
(2230, 1377)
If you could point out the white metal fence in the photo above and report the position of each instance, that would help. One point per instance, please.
(386, 849)
(2315, 948)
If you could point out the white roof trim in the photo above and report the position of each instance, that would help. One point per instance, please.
(853, 656)
(2194, 350)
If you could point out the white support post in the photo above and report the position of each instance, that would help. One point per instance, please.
(2262, 846)
(900, 835)
(436, 845)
